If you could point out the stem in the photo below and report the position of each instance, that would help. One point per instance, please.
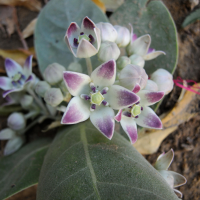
(89, 66)
(30, 114)
(29, 126)
(39, 102)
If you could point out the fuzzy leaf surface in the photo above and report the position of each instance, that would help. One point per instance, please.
(194, 16)
(21, 169)
(82, 164)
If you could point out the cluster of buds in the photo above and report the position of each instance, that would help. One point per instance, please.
(14, 133)
(172, 178)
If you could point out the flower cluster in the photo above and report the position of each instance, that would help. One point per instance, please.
(172, 178)
(119, 84)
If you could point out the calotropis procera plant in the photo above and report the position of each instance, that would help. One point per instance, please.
(98, 167)
(172, 178)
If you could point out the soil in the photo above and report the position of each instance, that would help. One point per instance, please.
(185, 140)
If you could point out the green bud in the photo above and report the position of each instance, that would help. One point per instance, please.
(53, 97)
(7, 134)
(26, 101)
(53, 74)
(41, 88)
(75, 67)
(137, 60)
(122, 62)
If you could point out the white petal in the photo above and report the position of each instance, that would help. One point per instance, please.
(105, 74)
(168, 177)
(164, 161)
(78, 110)
(28, 66)
(6, 134)
(76, 83)
(130, 128)
(103, 119)
(12, 67)
(137, 60)
(119, 97)
(178, 179)
(149, 119)
(141, 45)
(151, 86)
(148, 98)
(85, 49)
(13, 145)
(153, 55)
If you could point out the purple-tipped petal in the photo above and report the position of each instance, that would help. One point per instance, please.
(129, 126)
(150, 50)
(5, 93)
(148, 98)
(85, 49)
(105, 74)
(149, 119)
(30, 78)
(164, 161)
(119, 97)
(77, 83)
(5, 83)
(133, 35)
(168, 177)
(103, 119)
(78, 110)
(87, 24)
(153, 54)
(118, 117)
(177, 191)
(12, 67)
(72, 32)
(28, 66)
(136, 89)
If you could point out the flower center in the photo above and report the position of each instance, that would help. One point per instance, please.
(16, 77)
(135, 110)
(97, 98)
(89, 38)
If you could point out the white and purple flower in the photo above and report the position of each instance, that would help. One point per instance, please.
(18, 77)
(96, 97)
(83, 42)
(135, 78)
(141, 47)
(172, 178)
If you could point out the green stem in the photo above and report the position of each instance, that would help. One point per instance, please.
(89, 66)
(39, 101)
(29, 126)
(31, 114)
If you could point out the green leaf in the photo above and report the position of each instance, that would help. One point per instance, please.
(21, 169)
(151, 18)
(83, 164)
(51, 27)
(194, 16)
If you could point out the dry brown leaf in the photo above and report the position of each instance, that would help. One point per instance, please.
(18, 55)
(184, 110)
(6, 19)
(33, 5)
(29, 30)
(100, 4)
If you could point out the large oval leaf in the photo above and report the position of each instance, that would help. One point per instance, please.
(151, 18)
(82, 164)
(21, 169)
(51, 27)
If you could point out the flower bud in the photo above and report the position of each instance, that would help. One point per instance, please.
(163, 79)
(137, 60)
(53, 97)
(122, 62)
(26, 101)
(108, 32)
(13, 145)
(6, 134)
(41, 88)
(75, 67)
(16, 121)
(53, 74)
(123, 36)
(51, 109)
(132, 75)
(108, 51)
(151, 86)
